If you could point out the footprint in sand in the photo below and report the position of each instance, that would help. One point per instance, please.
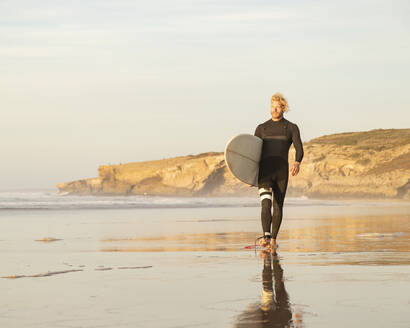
(52, 273)
(47, 274)
(102, 269)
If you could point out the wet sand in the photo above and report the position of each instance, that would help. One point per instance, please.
(339, 264)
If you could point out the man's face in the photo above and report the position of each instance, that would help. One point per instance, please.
(276, 110)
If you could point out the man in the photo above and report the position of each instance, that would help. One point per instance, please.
(277, 134)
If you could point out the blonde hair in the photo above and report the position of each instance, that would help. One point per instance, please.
(279, 97)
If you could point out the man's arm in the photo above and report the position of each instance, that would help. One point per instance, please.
(297, 143)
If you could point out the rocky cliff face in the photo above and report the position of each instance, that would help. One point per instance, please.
(363, 164)
(372, 164)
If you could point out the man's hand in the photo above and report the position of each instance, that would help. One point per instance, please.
(295, 168)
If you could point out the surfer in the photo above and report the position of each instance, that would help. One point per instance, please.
(277, 134)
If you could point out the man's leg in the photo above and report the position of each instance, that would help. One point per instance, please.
(265, 194)
(279, 191)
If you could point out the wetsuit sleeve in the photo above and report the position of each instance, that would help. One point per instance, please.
(297, 143)
(258, 132)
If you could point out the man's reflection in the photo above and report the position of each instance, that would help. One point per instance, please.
(274, 309)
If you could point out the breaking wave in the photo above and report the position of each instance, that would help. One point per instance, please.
(53, 201)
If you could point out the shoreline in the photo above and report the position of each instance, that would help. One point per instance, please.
(232, 196)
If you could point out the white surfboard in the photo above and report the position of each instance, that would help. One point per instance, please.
(242, 156)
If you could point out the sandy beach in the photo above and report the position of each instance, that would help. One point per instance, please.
(338, 264)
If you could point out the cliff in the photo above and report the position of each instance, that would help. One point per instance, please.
(371, 164)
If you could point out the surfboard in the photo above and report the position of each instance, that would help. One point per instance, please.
(242, 156)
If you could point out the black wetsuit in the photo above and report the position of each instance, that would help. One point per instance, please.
(277, 137)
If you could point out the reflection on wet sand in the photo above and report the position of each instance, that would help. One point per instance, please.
(274, 309)
(345, 234)
(371, 233)
(226, 241)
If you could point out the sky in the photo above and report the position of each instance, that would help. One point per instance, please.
(85, 83)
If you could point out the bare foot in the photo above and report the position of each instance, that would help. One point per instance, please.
(273, 245)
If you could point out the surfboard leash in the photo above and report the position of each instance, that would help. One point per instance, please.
(254, 246)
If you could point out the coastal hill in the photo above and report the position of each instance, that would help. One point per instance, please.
(370, 164)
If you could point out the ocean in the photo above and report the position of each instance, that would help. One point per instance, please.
(52, 200)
